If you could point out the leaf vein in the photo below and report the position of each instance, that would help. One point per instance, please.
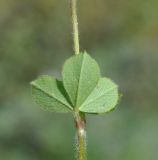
(79, 81)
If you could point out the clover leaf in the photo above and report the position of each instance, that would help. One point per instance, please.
(50, 94)
(82, 88)
(103, 98)
(80, 76)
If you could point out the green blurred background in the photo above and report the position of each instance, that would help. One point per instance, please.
(35, 39)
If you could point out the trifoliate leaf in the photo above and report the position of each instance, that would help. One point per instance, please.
(103, 98)
(50, 94)
(80, 76)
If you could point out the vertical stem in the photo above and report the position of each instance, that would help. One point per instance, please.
(75, 26)
(79, 117)
(81, 135)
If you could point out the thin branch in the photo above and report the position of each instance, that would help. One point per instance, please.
(75, 26)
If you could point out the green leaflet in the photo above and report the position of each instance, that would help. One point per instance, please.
(103, 98)
(80, 76)
(50, 94)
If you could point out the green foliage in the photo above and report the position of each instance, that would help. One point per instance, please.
(50, 94)
(80, 76)
(103, 98)
(83, 89)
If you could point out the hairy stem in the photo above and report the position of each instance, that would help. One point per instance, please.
(81, 135)
(75, 26)
(79, 117)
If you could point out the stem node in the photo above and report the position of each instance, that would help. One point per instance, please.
(81, 135)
